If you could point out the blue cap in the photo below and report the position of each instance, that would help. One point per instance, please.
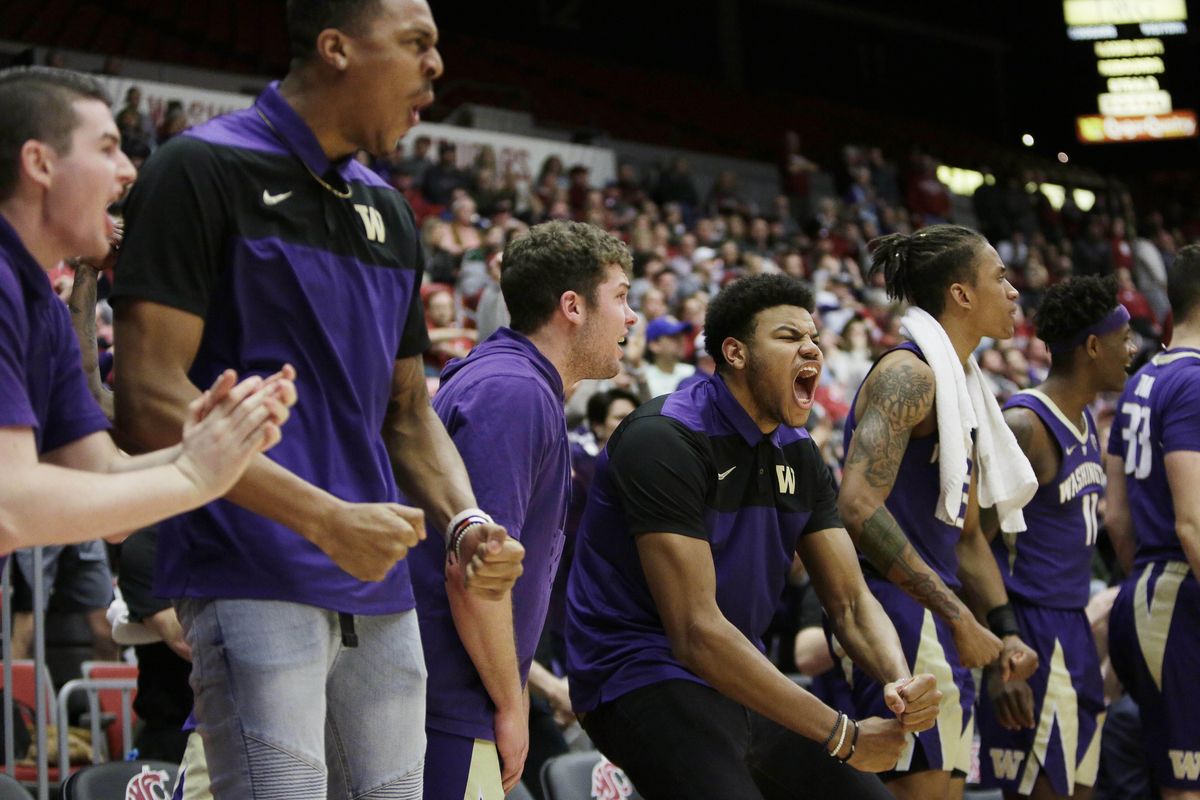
(666, 326)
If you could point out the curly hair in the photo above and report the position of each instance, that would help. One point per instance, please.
(921, 266)
(553, 258)
(733, 313)
(1071, 307)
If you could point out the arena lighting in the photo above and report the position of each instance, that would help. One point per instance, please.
(1027, 139)
(1123, 12)
(1146, 65)
(1129, 48)
(1084, 199)
(962, 181)
(1055, 193)
(1063, 158)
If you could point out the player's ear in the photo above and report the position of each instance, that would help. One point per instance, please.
(735, 352)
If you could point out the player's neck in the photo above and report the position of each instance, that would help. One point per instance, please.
(1186, 334)
(555, 347)
(962, 339)
(319, 108)
(25, 219)
(1071, 393)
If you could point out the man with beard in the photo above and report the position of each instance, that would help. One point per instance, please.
(565, 285)
(700, 501)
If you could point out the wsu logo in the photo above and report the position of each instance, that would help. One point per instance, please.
(149, 785)
(609, 782)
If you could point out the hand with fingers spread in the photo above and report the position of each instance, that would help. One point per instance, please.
(1012, 700)
(914, 701)
(367, 539)
(227, 425)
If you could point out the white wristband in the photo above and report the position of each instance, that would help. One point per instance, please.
(462, 516)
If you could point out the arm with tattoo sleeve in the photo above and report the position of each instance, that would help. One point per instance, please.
(897, 397)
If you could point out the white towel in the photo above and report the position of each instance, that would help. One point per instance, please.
(964, 404)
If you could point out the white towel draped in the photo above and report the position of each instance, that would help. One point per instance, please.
(964, 404)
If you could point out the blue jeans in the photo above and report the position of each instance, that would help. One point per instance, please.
(287, 711)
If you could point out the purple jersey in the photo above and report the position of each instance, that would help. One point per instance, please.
(1158, 413)
(503, 407)
(914, 496)
(1050, 563)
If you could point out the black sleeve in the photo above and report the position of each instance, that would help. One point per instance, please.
(661, 472)
(415, 339)
(176, 229)
(136, 576)
(823, 490)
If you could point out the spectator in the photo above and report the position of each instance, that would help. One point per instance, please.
(665, 339)
(441, 180)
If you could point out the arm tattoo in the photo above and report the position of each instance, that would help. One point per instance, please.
(888, 550)
(899, 398)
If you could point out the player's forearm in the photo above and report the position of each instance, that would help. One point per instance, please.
(150, 415)
(427, 465)
(1189, 536)
(485, 628)
(83, 320)
(35, 511)
(983, 587)
(870, 638)
(884, 544)
(717, 652)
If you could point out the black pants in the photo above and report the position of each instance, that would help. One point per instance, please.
(680, 739)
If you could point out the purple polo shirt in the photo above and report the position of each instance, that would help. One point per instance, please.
(691, 463)
(42, 385)
(228, 222)
(503, 406)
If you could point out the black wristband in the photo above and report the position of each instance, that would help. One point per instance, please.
(832, 733)
(1002, 621)
(853, 744)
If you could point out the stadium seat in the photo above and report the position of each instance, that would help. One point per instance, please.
(11, 789)
(519, 792)
(574, 776)
(121, 779)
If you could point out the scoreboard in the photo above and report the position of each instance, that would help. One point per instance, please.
(1130, 41)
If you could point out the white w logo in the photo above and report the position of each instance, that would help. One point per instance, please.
(787, 479)
(1185, 764)
(1006, 763)
(372, 222)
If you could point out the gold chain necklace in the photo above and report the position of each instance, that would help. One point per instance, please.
(316, 177)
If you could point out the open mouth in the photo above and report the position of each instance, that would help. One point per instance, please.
(414, 112)
(805, 384)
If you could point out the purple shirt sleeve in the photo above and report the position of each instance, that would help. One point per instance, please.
(73, 413)
(1181, 426)
(15, 409)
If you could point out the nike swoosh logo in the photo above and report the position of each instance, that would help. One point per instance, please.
(274, 199)
(723, 475)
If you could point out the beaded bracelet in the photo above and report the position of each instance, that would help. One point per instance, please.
(853, 744)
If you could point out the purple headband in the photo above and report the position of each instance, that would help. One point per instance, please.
(1115, 319)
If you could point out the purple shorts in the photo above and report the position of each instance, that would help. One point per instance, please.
(1068, 709)
(1154, 643)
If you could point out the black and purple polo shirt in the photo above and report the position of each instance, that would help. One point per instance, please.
(288, 258)
(691, 463)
